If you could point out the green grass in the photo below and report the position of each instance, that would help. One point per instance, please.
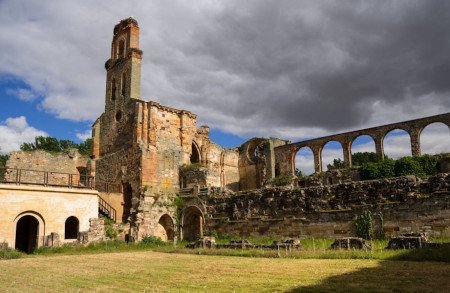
(8, 253)
(149, 271)
(310, 249)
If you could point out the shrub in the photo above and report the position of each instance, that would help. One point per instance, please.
(381, 169)
(282, 180)
(428, 163)
(110, 232)
(9, 253)
(153, 240)
(408, 166)
(364, 225)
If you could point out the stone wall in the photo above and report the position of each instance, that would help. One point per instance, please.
(406, 203)
(35, 163)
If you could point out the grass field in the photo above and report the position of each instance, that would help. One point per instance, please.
(149, 271)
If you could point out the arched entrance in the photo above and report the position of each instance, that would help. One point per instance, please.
(165, 229)
(27, 232)
(192, 225)
(195, 155)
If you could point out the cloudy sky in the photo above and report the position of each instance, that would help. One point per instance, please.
(288, 69)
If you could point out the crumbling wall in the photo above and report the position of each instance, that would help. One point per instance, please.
(59, 166)
(406, 204)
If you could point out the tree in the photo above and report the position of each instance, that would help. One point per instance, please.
(360, 158)
(337, 164)
(53, 145)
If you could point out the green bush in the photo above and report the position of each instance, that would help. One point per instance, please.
(381, 169)
(8, 253)
(429, 163)
(408, 166)
(110, 232)
(364, 225)
(420, 166)
(282, 180)
(152, 240)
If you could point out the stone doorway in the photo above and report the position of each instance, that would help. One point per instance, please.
(27, 229)
(165, 229)
(192, 225)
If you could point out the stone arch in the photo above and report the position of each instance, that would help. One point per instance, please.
(195, 154)
(192, 223)
(364, 143)
(333, 154)
(435, 138)
(165, 228)
(71, 228)
(29, 228)
(303, 160)
(395, 140)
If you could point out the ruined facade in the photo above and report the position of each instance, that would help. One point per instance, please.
(139, 146)
(144, 154)
(155, 170)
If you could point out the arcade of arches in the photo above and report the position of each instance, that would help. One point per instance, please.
(381, 135)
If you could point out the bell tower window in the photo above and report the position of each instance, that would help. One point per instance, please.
(113, 89)
(123, 83)
(121, 49)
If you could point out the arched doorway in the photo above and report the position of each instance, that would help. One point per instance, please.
(165, 229)
(192, 225)
(71, 228)
(27, 232)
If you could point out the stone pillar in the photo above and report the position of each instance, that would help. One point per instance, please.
(414, 134)
(346, 148)
(317, 152)
(379, 148)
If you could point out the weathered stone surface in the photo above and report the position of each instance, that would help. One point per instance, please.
(408, 241)
(350, 243)
(406, 204)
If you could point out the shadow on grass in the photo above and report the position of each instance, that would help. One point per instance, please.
(421, 270)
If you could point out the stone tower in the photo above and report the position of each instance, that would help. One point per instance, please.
(140, 146)
(123, 76)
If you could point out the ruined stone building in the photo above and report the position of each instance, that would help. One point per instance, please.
(154, 170)
(149, 152)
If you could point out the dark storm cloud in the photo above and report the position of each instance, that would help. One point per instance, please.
(291, 69)
(318, 63)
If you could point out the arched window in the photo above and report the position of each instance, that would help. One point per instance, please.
(121, 49)
(123, 83)
(195, 155)
(113, 89)
(71, 228)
